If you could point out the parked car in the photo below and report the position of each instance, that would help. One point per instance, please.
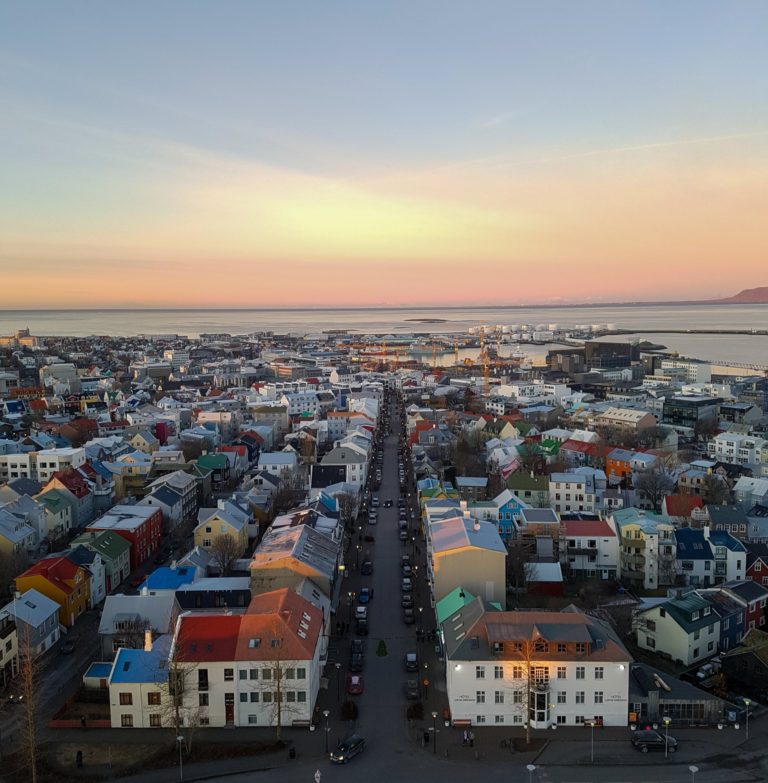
(347, 749)
(411, 660)
(403, 535)
(407, 570)
(354, 684)
(361, 612)
(67, 646)
(366, 569)
(408, 617)
(364, 596)
(653, 740)
(357, 646)
(356, 662)
(406, 585)
(407, 601)
(405, 559)
(361, 628)
(412, 691)
(375, 501)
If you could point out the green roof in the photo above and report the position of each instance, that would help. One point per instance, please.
(551, 447)
(523, 480)
(451, 603)
(106, 543)
(213, 461)
(55, 500)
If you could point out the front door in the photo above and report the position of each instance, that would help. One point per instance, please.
(229, 708)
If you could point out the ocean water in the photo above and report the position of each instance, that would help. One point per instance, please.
(398, 321)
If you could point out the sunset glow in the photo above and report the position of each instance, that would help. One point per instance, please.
(178, 185)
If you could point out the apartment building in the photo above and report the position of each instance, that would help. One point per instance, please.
(736, 448)
(648, 549)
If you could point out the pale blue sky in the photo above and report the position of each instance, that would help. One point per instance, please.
(104, 103)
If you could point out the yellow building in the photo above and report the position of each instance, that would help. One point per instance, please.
(61, 580)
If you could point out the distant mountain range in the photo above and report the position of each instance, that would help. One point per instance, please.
(747, 296)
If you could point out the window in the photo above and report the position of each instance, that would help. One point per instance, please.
(710, 646)
(253, 674)
(480, 719)
(126, 721)
(580, 672)
(254, 697)
(243, 674)
(579, 697)
(599, 671)
(301, 673)
(480, 672)
(229, 675)
(540, 646)
(517, 697)
(499, 719)
(266, 674)
(517, 672)
(155, 721)
(498, 697)
(252, 720)
(480, 697)
(696, 635)
(561, 648)
(561, 720)
(290, 674)
(561, 697)
(267, 697)
(153, 698)
(301, 697)
(579, 720)
(581, 648)
(126, 699)
(598, 697)
(695, 652)
(243, 698)
(202, 699)
(498, 672)
(650, 642)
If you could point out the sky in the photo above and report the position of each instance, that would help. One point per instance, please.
(215, 154)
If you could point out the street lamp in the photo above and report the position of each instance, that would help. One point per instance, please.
(591, 725)
(326, 713)
(180, 740)
(531, 769)
(434, 733)
(338, 680)
(747, 703)
(667, 721)
(694, 769)
(357, 556)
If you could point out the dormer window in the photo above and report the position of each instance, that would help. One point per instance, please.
(695, 615)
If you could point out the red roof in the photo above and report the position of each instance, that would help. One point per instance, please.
(682, 505)
(210, 637)
(73, 481)
(37, 405)
(575, 445)
(241, 450)
(587, 527)
(55, 570)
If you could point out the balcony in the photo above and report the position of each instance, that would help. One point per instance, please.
(633, 561)
(633, 543)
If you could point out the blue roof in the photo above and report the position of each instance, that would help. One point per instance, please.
(691, 544)
(724, 538)
(166, 578)
(99, 670)
(132, 666)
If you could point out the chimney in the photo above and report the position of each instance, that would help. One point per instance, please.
(148, 640)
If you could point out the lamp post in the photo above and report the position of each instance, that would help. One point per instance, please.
(434, 733)
(357, 556)
(338, 681)
(667, 721)
(326, 713)
(180, 740)
(591, 724)
(694, 769)
(531, 769)
(746, 704)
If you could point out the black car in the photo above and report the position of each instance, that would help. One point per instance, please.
(653, 740)
(408, 617)
(361, 628)
(356, 662)
(348, 748)
(407, 602)
(366, 569)
(67, 647)
(412, 692)
(358, 647)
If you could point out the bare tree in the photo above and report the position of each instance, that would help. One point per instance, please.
(347, 504)
(518, 565)
(11, 565)
(181, 701)
(715, 490)
(654, 484)
(530, 458)
(467, 455)
(133, 632)
(529, 680)
(290, 492)
(30, 726)
(225, 548)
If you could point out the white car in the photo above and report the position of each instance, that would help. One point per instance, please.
(361, 613)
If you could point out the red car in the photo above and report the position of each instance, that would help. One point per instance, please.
(354, 684)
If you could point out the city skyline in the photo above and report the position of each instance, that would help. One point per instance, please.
(395, 156)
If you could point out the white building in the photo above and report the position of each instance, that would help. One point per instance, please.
(695, 372)
(559, 668)
(591, 548)
(735, 448)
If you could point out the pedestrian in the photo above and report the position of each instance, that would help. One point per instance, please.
(471, 739)
(82, 721)
(465, 738)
